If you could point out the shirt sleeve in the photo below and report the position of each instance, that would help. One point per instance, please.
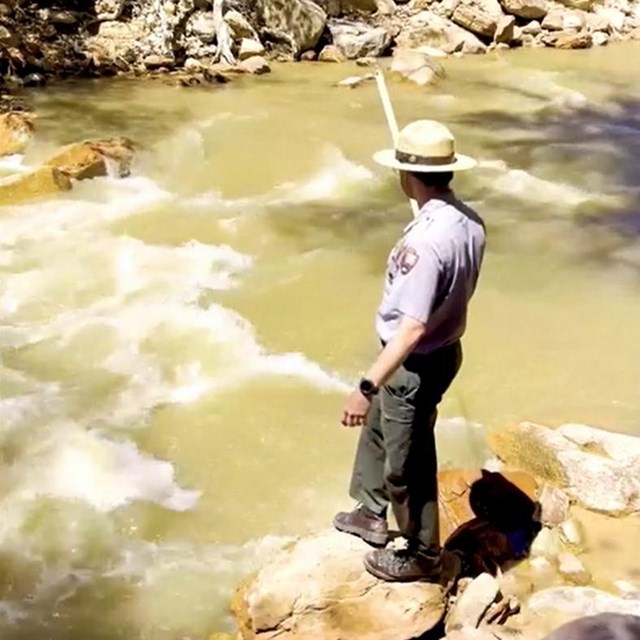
(417, 281)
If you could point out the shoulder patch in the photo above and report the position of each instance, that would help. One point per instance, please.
(408, 259)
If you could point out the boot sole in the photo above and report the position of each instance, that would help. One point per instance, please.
(378, 540)
(381, 575)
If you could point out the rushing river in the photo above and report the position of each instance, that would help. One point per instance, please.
(176, 346)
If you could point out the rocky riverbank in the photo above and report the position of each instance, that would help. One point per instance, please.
(517, 561)
(197, 40)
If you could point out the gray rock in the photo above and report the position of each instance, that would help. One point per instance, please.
(532, 28)
(358, 40)
(417, 67)
(474, 602)
(429, 29)
(613, 626)
(302, 20)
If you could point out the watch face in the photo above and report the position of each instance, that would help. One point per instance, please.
(367, 387)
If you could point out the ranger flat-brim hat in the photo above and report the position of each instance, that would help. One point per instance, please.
(425, 146)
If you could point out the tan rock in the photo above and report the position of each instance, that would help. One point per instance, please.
(615, 17)
(599, 469)
(478, 16)
(547, 544)
(597, 22)
(471, 606)
(16, 131)
(532, 28)
(582, 5)
(40, 183)
(420, 5)
(94, 158)
(318, 588)
(331, 53)
(505, 30)
(572, 533)
(250, 48)
(256, 65)
(429, 29)
(529, 9)
(238, 25)
(416, 67)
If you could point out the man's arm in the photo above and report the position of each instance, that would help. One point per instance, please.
(396, 351)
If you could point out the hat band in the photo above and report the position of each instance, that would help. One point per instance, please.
(412, 158)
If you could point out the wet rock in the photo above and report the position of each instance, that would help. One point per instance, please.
(331, 53)
(256, 65)
(250, 48)
(366, 62)
(358, 40)
(529, 9)
(94, 158)
(355, 81)
(34, 80)
(318, 588)
(40, 183)
(302, 21)
(600, 470)
(474, 602)
(547, 544)
(429, 29)
(478, 16)
(16, 131)
(505, 30)
(581, 601)
(572, 569)
(554, 505)
(416, 67)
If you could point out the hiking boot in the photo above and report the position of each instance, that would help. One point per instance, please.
(404, 565)
(365, 524)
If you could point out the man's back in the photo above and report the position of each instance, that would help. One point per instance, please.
(445, 244)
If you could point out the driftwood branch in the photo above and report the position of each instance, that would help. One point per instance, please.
(223, 36)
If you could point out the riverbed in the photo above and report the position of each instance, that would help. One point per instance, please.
(176, 346)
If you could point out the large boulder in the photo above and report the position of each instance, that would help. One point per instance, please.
(529, 9)
(428, 29)
(599, 469)
(478, 16)
(40, 183)
(358, 40)
(94, 158)
(318, 588)
(16, 130)
(302, 21)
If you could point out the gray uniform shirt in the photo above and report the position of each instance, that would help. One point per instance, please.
(432, 273)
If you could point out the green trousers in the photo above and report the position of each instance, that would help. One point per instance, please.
(396, 459)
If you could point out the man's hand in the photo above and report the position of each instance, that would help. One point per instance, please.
(356, 410)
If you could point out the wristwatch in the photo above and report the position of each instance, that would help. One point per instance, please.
(368, 389)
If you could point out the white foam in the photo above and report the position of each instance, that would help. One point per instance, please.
(522, 184)
(70, 463)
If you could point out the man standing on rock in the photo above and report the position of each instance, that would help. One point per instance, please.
(431, 275)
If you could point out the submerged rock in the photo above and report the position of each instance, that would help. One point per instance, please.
(318, 588)
(94, 158)
(417, 67)
(40, 183)
(16, 131)
(581, 601)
